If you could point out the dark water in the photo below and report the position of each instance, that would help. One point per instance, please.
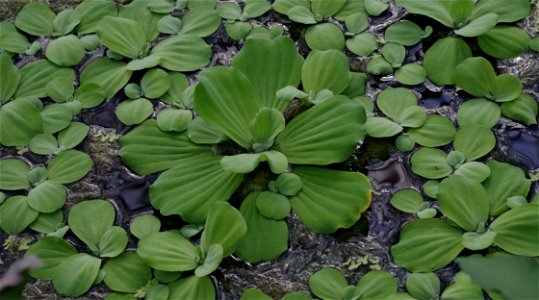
(524, 147)
(433, 100)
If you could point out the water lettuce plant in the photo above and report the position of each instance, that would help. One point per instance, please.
(241, 104)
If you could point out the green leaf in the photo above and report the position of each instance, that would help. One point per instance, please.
(327, 283)
(111, 75)
(273, 205)
(407, 200)
(171, 119)
(379, 66)
(423, 285)
(11, 40)
(47, 197)
(362, 44)
(122, 35)
(90, 95)
(324, 36)
(255, 8)
(55, 117)
(112, 242)
(430, 163)
(478, 112)
(411, 74)
(76, 274)
(201, 132)
(52, 251)
(330, 199)
(406, 33)
(224, 226)
(20, 120)
(505, 181)
(66, 21)
(65, 51)
(436, 131)
(69, 166)
(393, 101)
(92, 12)
(229, 10)
(377, 284)
(35, 18)
(478, 26)
(326, 9)
(506, 87)
(517, 231)
(48, 223)
(379, 127)
(37, 175)
(490, 273)
(506, 11)
(413, 117)
(182, 53)
(144, 225)
(357, 85)
(524, 109)
(168, 251)
(192, 287)
(178, 85)
(132, 112)
(476, 76)
(89, 220)
(213, 257)
(238, 30)
(241, 163)
(426, 245)
(474, 141)
(13, 176)
(200, 22)
(473, 171)
(455, 196)
(157, 292)
(478, 241)
(394, 54)
(288, 184)
(436, 9)
(301, 14)
(307, 139)
(126, 273)
(36, 75)
(155, 83)
(73, 135)
(254, 294)
(504, 42)
(16, 214)
(325, 70)
(265, 239)
(60, 89)
(443, 56)
(224, 99)
(201, 180)
(376, 7)
(147, 149)
(269, 65)
(169, 25)
(11, 79)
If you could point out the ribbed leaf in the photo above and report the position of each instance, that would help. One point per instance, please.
(51, 251)
(393, 101)
(20, 120)
(126, 273)
(523, 109)
(517, 231)
(426, 245)
(36, 75)
(224, 226)
(377, 284)
(76, 274)
(463, 201)
(474, 141)
(436, 131)
(111, 75)
(325, 70)
(430, 163)
(65, 51)
(330, 199)
(475, 75)
(324, 36)
(507, 11)
(478, 26)
(89, 220)
(168, 251)
(11, 77)
(265, 239)
(36, 19)
(435, 9)
(47, 197)
(478, 112)
(192, 186)
(69, 166)
(324, 134)
(16, 215)
(328, 283)
(192, 287)
(504, 41)
(505, 181)
(224, 99)
(443, 56)
(123, 36)
(147, 149)
(93, 11)
(269, 65)
(13, 176)
(200, 22)
(182, 53)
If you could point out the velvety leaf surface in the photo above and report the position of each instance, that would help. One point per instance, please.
(426, 245)
(328, 283)
(36, 75)
(504, 42)
(20, 120)
(506, 11)
(478, 112)
(517, 230)
(16, 214)
(146, 149)
(330, 199)
(192, 287)
(423, 285)
(65, 51)
(325, 70)
(201, 22)
(523, 109)
(89, 220)
(126, 273)
(224, 99)
(269, 65)
(436, 131)
(475, 75)
(111, 75)
(69, 166)
(393, 101)
(92, 12)
(132, 112)
(76, 274)
(51, 251)
(47, 197)
(324, 134)
(35, 19)
(324, 36)
(430, 163)
(122, 35)
(192, 186)
(224, 226)
(168, 251)
(407, 200)
(112, 242)
(443, 56)
(182, 53)
(13, 175)
(435, 9)
(382, 127)
(10, 80)
(265, 239)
